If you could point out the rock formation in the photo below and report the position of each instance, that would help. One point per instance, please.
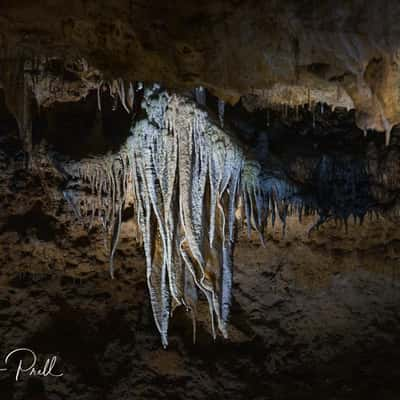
(239, 160)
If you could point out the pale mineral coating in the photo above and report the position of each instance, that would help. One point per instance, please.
(228, 47)
(190, 184)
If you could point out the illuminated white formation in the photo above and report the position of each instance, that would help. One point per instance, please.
(189, 182)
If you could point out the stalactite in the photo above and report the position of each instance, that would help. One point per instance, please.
(191, 184)
(313, 115)
(131, 96)
(172, 184)
(221, 111)
(100, 185)
(190, 178)
(99, 88)
(121, 92)
(200, 95)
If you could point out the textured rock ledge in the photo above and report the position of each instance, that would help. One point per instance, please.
(230, 48)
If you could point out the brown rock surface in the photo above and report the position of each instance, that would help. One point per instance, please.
(229, 47)
(312, 316)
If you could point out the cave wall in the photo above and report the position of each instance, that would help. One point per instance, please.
(316, 312)
(311, 315)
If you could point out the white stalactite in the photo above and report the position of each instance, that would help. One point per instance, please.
(221, 112)
(200, 95)
(188, 180)
(119, 91)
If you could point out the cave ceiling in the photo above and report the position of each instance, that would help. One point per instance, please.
(280, 52)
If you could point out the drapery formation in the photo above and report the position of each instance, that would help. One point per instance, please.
(190, 184)
(186, 180)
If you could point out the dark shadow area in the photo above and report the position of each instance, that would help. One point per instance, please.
(34, 222)
(79, 129)
(319, 151)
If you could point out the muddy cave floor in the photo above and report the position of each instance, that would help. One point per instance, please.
(312, 317)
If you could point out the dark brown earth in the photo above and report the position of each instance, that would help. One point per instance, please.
(312, 317)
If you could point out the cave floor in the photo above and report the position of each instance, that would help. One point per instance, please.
(312, 317)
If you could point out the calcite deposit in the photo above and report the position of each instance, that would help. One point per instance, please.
(223, 176)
